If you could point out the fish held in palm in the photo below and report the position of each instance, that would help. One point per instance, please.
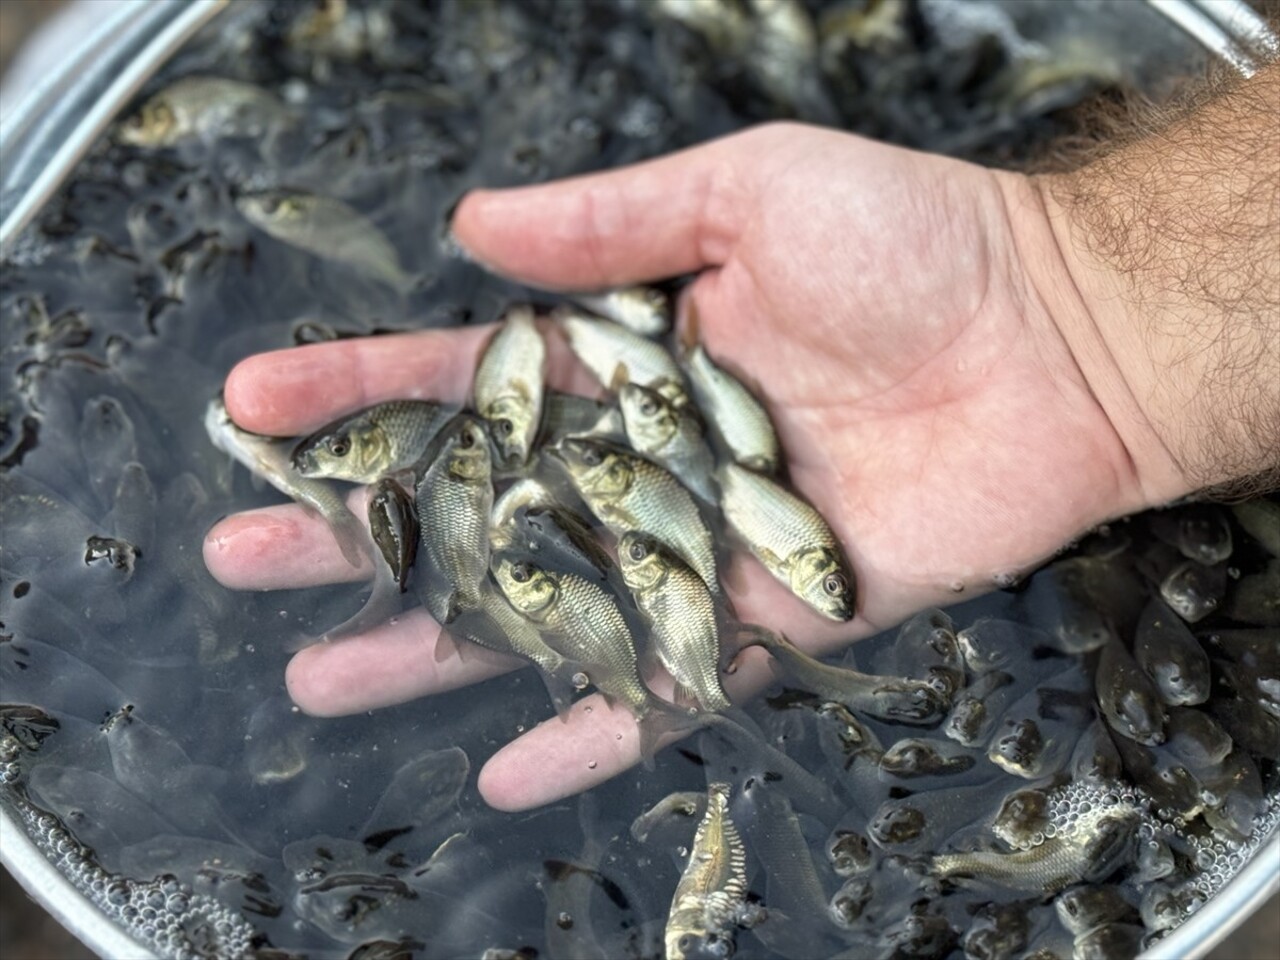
(627, 492)
(454, 500)
(642, 310)
(509, 385)
(710, 898)
(732, 410)
(682, 615)
(670, 435)
(328, 229)
(377, 441)
(603, 346)
(268, 457)
(790, 538)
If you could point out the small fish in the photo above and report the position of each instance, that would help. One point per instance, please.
(1095, 756)
(1086, 601)
(1256, 597)
(1127, 698)
(627, 492)
(604, 346)
(913, 758)
(1197, 739)
(785, 59)
(975, 711)
(555, 536)
(734, 412)
(1261, 520)
(1082, 908)
(790, 538)
(393, 522)
(268, 457)
(669, 435)
(580, 621)
(927, 643)
(1110, 941)
(1090, 851)
(454, 500)
(642, 310)
(1174, 660)
(372, 443)
(328, 229)
(1200, 532)
(711, 894)
(682, 616)
(1022, 816)
(896, 699)
(849, 853)
(203, 108)
(683, 805)
(1194, 591)
(998, 932)
(509, 385)
(989, 644)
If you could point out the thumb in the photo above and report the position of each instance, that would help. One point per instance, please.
(673, 215)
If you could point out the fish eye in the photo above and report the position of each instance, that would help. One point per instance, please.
(269, 204)
(522, 572)
(835, 584)
(505, 427)
(467, 439)
(339, 446)
(638, 550)
(648, 406)
(591, 457)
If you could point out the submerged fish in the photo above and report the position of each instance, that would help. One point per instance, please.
(203, 108)
(642, 310)
(627, 492)
(1171, 656)
(669, 435)
(328, 229)
(683, 805)
(372, 443)
(734, 412)
(1090, 851)
(268, 458)
(1127, 698)
(1082, 908)
(454, 500)
(711, 894)
(790, 538)
(682, 616)
(1200, 532)
(509, 385)
(897, 699)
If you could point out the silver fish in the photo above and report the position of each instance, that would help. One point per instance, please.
(526, 492)
(454, 500)
(627, 492)
(203, 108)
(509, 384)
(683, 805)
(790, 538)
(682, 616)
(734, 412)
(671, 436)
(604, 346)
(712, 890)
(642, 310)
(328, 229)
(268, 457)
(371, 443)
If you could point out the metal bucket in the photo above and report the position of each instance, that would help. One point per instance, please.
(43, 139)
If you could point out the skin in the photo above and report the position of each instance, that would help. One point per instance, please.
(926, 332)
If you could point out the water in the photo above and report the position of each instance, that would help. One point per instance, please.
(148, 743)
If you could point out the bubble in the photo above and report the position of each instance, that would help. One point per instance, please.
(591, 764)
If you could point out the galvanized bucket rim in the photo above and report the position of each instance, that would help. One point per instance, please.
(1229, 29)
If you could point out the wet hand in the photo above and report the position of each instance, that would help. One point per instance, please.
(888, 306)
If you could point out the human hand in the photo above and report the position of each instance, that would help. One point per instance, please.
(891, 308)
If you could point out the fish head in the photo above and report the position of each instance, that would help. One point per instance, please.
(466, 447)
(819, 577)
(527, 587)
(695, 942)
(643, 561)
(1140, 716)
(1019, 749)
(272, 210)
(513, 426)
(356, 449)
(1022, 815)
(849, 853)
(155, 125)
(595, 468)
(1180, 683)
(650, 417)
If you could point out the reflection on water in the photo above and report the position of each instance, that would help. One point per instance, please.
(148, 743)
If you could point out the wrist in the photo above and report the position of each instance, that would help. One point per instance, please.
(1086, 306)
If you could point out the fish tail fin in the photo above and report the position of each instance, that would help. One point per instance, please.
(621, 377)
(560, 692)
(689, 332)
(662, 722)
(447, 647)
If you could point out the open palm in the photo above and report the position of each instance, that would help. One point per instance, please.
(881, 301)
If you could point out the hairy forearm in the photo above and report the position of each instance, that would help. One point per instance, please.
(1171, 298)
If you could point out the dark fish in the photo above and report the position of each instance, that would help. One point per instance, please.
(989, 644)
(1023, 816)
(974, 714)
(1112, 941)
(1261, 520)
(1200, 532)
(1171, 656)
(1256, 597)
(393, 522)
(927, 647)
(997, 932)
(1127, 698)
(1087, 601)
(679, 807)
(912, 759)
(1194, 591)
(1082, 908)
(849, 853)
